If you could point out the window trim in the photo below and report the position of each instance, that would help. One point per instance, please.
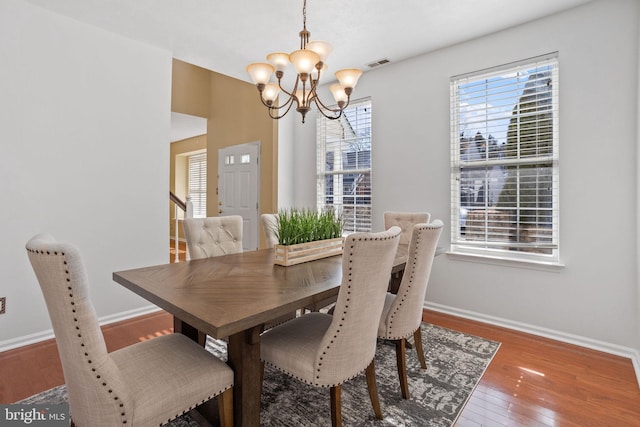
(483, 250)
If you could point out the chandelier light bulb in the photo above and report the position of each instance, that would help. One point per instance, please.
(348, 77)
(270, 92)
(338, 93)
(322, 48)
(304, 60)
(260, 73)
(279, 60)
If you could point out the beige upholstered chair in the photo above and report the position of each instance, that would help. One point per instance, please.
(145, 384)
(402, 313)
(324, 350)
(406, 221)
(213, 236)
(270, 228)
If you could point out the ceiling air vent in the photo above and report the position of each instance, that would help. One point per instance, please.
(378, 63)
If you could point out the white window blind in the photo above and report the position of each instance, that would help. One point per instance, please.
(198, 184)
(344, 165)
(504, 161)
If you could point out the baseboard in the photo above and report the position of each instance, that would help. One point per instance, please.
(592, 344)
(48, 334)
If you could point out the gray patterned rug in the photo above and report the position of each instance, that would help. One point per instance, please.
(455, 364)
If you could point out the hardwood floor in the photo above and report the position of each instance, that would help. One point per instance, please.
(532, 381)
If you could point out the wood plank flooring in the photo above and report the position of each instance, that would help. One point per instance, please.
(532, 381)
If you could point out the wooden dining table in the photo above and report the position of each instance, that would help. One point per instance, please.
(232, 297)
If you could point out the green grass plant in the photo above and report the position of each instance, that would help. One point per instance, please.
(305, 225)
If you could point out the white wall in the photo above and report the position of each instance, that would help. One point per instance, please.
(594, 297)
(286, 149)
(84, 155)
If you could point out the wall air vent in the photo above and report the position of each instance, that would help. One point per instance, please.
(378, 63)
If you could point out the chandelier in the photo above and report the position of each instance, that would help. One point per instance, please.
(309, 64)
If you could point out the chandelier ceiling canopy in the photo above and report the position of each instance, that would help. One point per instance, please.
(309, 64)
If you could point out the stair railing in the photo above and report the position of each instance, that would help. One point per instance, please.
(187, 208)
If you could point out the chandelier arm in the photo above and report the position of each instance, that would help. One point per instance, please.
(295, 86)
(273, 107)
(276, 117)
(319, 103)
(323, 110)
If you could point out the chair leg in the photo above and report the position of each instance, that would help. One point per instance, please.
(336, 406)
(402, 367)
(225, 408)
(417, 339)
(373, 390)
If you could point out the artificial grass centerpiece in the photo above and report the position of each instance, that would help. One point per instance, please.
(305, 225)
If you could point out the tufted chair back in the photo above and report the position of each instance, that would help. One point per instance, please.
(349, 344)
(85, 361)
(406, 221)
(147, 383)
(270, 228)
(404, 314)
(213, 236)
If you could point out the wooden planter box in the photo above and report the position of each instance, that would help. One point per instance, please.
(303, 252)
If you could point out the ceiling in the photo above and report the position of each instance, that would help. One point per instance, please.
(225, 36)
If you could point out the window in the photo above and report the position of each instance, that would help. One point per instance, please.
(198, 184)
(344, 166)
(504, 161)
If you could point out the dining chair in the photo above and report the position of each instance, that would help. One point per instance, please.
(213, 236)
(402, 312)
(406, 221)
(148, 383)
(270, 228)
(325, 351)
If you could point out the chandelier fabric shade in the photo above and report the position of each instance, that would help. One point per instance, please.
(309, 65)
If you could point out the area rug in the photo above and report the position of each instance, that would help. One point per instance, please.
(455, 364)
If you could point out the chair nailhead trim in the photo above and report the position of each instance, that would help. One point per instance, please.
(195, 404)
(75, 319)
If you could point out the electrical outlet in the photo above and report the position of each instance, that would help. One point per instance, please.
(3, 304)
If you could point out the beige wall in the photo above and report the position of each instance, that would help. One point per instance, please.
(235, 116)
(190, 89)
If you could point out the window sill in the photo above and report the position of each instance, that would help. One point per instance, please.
(506, 262)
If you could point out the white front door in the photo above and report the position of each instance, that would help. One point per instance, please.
(239, 188)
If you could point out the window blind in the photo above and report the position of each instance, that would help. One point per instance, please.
(198, 184)
(344, 165)
(504, 161)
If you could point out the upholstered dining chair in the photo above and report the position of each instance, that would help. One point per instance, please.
(325, 351)
(213, 236)
(402, 313)
(406, 221)
(148, 383)
(270, 229)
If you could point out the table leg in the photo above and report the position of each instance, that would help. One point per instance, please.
(244, 357)
(394, 281)
(181, 327)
